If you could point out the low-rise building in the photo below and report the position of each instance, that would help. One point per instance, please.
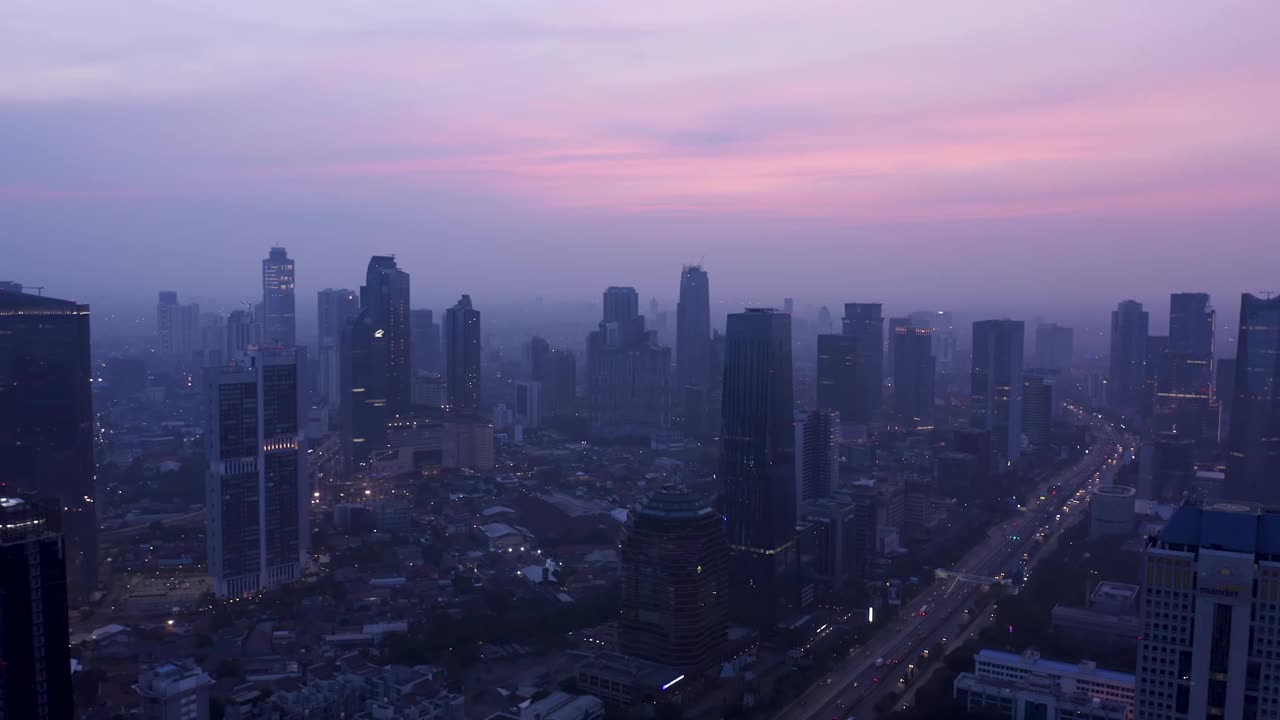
(174, 691)
(1027, 687)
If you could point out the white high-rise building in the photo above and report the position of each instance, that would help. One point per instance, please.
(256, 492)
(1210, 608)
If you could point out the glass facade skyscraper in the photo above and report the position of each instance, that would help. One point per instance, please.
(995, 402)
(693, 329)
(280, 324)
(1253, 457)
(462, 354)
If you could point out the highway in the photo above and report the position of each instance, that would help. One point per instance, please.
(938, 613)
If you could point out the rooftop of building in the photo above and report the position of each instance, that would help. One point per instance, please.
(1115, 490)
(675, 502)
(1032, 661)
(1227, 526)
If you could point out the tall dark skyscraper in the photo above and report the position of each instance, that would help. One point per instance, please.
(374, 363)
(462, 354)
(35, 658)
(628, 372)
(256, 492)
(865, 321)
(757, 467)
(1038, 402)
(838, 374)
(280, 324)
(336, 308)
(1128, 357)
(1054, 347)
(1253, 457)
(995, 403)
(46, 420)
(1184, 390)
(693, 328)
(891, 348)
(675, 585)
(385, 296)
(425, 348)
(817, 455)
(914, 375)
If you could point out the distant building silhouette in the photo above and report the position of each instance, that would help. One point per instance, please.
(865, 322)
(675, 586)
(177, 326)
(757, 468)
(1184, 391)
(280, 323)
(46, 420)
(693, 329)
(628, 372)
(995, 403)
(1054, 346)
(837, 371)
(1039, 390)
(425, 347)
(915, 372)
(375, 369)
(462, 354)
(1253, 457)
(257, 497)
(336, 308)
(1128, 357)
(35, 656)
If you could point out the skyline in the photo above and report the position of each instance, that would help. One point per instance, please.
(914, 151)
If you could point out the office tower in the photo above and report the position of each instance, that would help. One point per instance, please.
(462, 354)
(1155, 366)
(826, 324)
(336, 308)
(1173, 469)
(174, 690)
(177, 326)
(385, 296)
(865, 322)
(914, 375)
(374, 365)
(239, 333)
(1038, 400)
(528, 403)
(693, 328)
(537, 358)
(256, 494)
(1208, 615)
(279, 323)
(996, 380)
(628, 372)
(425, 350)
(675, 586)
(757, 467)
(46, 420)
(556, 371)
(1191, 324)
(1128, 357)
(1054, 346)
(944, 336)
(838, 374)
(1253, 457)
(1184, 386)
(817, 454)
(35, 659)
(891, 348)
(831, 537)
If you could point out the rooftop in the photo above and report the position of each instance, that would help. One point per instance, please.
(1231, 527)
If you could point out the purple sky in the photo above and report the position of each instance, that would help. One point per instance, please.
(999, 154)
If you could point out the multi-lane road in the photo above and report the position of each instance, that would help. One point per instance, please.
(939, 612)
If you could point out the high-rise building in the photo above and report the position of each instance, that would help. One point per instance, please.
(1038, 400)
(174, 690)
(1054, 346)
(944, 336)
(628, 372)
(1173, 469)
(1253, 457)
(675, 586)
(838, 359)
(336, 309)
(995, 403)
(385, 296)
(280, 323)
(46, 420)
(462, 354)
(167, 302)
(177, 326)
(1156, 369)
(865, 322)
(693, 328)
(817, 454)
(914, 372)
(757, 468)
(256, 491)
(832, 535)
(374, 366)
(35, 656)
(1128, 357)
(826, 324)
(425, 350)
(239, 333)
(528, 403)
(1184, 386)
(1209, 622)
(891, 347)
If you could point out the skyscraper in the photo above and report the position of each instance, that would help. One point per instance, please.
(335, 310)
(628, 372)
(1253, 457)
(1128, 357)
(35, 658)
(165, 305)
(693, 329)
(865, 322)
(462, 354)
(1209, 624)
(757, 445)
(817, 454)
(239, 333)
(675, 587)
(1184, 390)
(257, 496)
(279, 325)
(838, 374)
(385, 296)
(1054, 346)
(1038, 402)
(915, 371)
(891, 348)
(995, 403)
(46, 420)
(177, 326)
(425, 349)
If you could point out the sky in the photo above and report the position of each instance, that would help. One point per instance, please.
(1004, 156)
